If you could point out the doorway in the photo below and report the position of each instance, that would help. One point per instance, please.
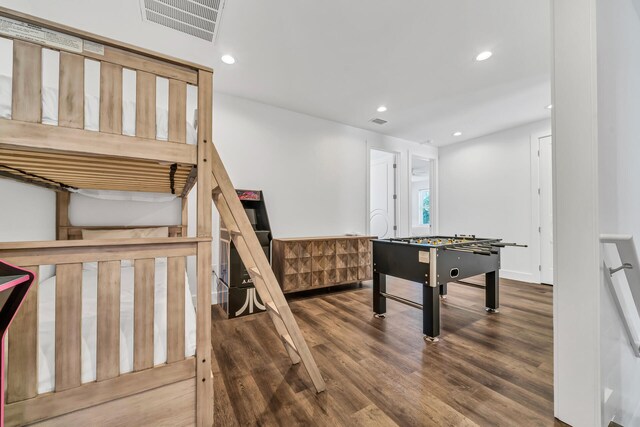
(382, 193)
(421, 196)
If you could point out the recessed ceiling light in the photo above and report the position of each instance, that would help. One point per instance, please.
(228, 59)
(458, 133)
(382, 109)
(483, 56)
(549, 107)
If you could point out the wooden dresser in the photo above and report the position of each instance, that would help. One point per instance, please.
(316, 262)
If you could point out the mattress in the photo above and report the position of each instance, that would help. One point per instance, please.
(46, 315)
(91, 112)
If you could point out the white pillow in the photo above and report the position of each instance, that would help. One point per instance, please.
(130, 233)
(49, 106)
(129, 118)
(5, 97)
(91, 113)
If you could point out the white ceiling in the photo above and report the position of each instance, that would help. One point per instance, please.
(340, 60)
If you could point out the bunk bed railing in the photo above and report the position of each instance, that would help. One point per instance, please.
(105, 100)
(24, 404)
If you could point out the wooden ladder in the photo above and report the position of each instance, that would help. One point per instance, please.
(246, 242)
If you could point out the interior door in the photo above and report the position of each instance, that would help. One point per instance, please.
(382, 206)
(546, 212)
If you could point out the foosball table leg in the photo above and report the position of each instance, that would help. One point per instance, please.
(379, 301)
(492, 302)
(430, 312)
(443, 291)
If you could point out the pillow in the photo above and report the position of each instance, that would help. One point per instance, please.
(128, 233)
(5, 97)
(49, 106)
(125, 233)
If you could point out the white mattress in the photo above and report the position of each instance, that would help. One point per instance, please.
(46, 315)
(91, 112)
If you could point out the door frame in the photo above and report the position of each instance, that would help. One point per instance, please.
(433, 191)
(397, 201)
(536, 237)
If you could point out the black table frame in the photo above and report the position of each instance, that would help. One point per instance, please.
(433, 267)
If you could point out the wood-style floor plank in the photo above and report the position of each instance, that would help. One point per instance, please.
(487, 369)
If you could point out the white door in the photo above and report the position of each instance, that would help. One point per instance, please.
(382, 206)
(546, 212)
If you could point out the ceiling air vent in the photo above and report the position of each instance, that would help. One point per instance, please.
(378, 121)
(198, 18)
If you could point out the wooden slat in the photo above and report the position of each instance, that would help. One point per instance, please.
(133, 244)
(22, 372)
(110, 98)
(143, 297)
(75, 232)
(94, 393)
(145, 105)
(177, 111)
(184, 215)
(68, 325)
(71, 255)
(175, 308)
(71, 94)
(62, 215)
(204, 383)
(167, 405)
(43, 138)
(27, 82)
(108, 330)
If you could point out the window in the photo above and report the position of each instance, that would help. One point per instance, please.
(424, 207)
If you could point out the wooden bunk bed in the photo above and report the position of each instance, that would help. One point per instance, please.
(66, 157)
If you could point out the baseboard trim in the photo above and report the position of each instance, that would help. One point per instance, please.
(518, 275)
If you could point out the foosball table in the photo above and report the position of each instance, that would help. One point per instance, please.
(435, 261)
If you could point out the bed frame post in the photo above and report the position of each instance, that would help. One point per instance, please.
(204, 380)
(62, 215)
(185, 216)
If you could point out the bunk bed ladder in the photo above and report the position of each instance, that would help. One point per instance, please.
(244, 238)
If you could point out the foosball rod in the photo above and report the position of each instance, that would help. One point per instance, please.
(502, 245)
(469, 251)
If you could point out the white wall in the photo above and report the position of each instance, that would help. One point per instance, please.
(618, 27)
(576, 248)
(313, 172)
(28, 212)
(485, 189)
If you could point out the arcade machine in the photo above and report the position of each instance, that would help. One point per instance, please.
(238, 294)
(14, 284)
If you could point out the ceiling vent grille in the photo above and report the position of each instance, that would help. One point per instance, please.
(198, 18)
(378, 121)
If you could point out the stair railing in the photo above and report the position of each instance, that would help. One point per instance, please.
(630, 265)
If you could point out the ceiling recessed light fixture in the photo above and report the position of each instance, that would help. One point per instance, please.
(228, 59)
(458, 133)
(381, 109)
(483, 56)
(549, 107)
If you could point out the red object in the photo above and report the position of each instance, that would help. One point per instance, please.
(14, 285)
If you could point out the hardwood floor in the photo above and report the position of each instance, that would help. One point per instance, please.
(487, 369)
